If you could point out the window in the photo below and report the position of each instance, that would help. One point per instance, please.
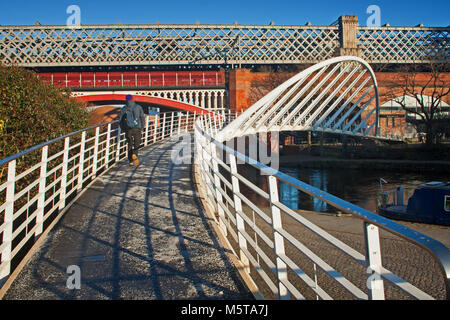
(447, 203)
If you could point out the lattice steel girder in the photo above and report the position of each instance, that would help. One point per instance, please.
(397, 45)
(36, 46)
(40, 46)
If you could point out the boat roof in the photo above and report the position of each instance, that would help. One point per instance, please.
(436, 184)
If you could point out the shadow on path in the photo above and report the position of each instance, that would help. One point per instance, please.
(137, 233)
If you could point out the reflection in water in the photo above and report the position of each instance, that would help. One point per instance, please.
(357, 186)
(288, 194)
(292, 197)
(319, 180)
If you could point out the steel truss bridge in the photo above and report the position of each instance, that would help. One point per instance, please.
(120, 45)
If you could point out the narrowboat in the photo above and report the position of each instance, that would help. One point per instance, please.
(430, 203)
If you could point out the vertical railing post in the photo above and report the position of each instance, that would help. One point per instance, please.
(155, 127)
(81, 165)
(219, 198)
(187, 122)
(195, 118)
(163, 132)
(62, 194)
(278, 238)
(206, 168)
(108, 138)
(171, 124)
(94, 164)
(373, 262)
(146, 131)
(41, 196)
(197, 149)
(238, 208)
(119, 133)
(8, 219)
(179, 124)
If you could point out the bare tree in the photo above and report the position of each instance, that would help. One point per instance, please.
(427, 90)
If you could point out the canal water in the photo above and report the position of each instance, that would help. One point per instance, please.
(357, 186)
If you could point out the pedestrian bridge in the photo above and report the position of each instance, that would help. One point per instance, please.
(338, 95)
(183, 227)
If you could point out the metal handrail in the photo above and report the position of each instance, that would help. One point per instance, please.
(62, 176)
(206, 158)
(47, 143)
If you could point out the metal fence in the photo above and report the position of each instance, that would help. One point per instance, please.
(289, 256)
(42, 181)
(33, 198)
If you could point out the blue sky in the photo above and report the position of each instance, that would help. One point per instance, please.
(282, 12)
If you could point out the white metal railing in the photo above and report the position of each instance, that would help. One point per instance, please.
(263, 233)
(34, 195)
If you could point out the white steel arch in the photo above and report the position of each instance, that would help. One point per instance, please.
(339, 95)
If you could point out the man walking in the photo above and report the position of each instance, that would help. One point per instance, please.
(132, 120)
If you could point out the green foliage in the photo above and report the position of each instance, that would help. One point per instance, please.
(32, 112)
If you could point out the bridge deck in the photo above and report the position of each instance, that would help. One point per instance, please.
(137, 233)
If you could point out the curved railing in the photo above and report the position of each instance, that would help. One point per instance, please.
(41, 182)
(288, 255)
(34, 197)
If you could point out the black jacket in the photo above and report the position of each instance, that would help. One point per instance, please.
(138, 112)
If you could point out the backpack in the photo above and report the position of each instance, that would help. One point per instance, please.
(129, 120)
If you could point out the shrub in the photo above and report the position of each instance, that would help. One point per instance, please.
(32, 112)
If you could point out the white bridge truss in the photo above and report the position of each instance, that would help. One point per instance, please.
(339, 95)
(210, 99)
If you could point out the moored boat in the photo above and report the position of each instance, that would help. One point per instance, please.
(430, 203)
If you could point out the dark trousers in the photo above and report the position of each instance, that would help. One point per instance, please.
(134, 141)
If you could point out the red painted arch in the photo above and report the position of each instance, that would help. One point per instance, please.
(120, 98)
